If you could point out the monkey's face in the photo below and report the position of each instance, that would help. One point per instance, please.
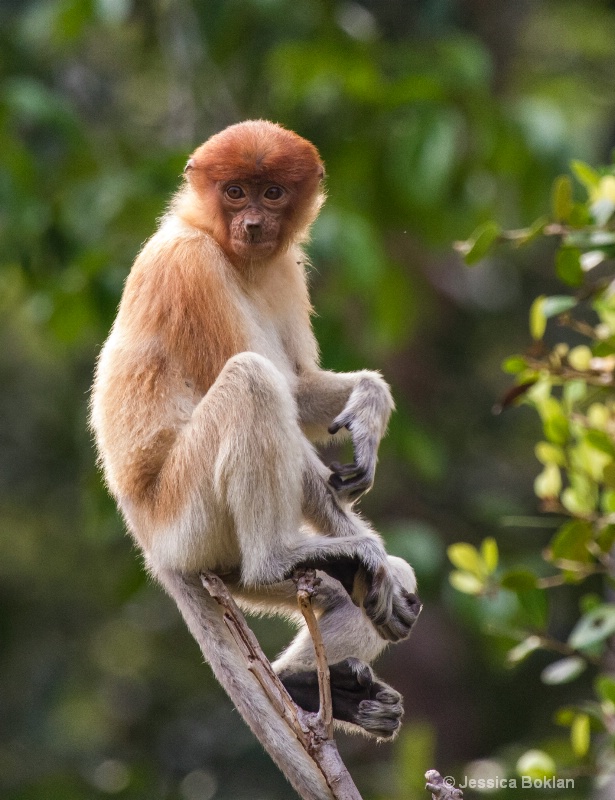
(255, 214)
(257, 189)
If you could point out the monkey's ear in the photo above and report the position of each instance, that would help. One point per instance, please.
(321, 173)
(190, 165)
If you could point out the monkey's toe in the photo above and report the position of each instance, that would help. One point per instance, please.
(405, 611)
(359, 699)
(381, 717)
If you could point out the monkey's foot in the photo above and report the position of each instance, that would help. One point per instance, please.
(405, 610)
(359, 699)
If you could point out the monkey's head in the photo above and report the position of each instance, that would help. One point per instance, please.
(258, 187)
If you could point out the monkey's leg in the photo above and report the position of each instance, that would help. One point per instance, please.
(228, 495)
(361, 702)
(258, 479)
(235, 479)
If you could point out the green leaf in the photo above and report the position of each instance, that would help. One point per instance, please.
(489, 555)
(582, 497)
(557, 304)
(548, 453)
(538, 318)
(587, 465)
(571, 540)
(523, 650)
(481, 241)
(580, 357)
(600, 440)
(589, 601)
(608, 475)
(540, 393)
(565, 715)
(605, 688)
(466, 557)
(545, 307)
(606, 538)
(514, 365)
(579, 217)
(466, 582)
(536, 607)
(580, 735)
(585, 174)
(555, 421)
(602, 210)
(598, 415)
(574, 392)
(563, 671)
(568, 266)
(548, 483)
(592, 258)
(594, 627)
(607, 501)
(561, 198)
(518, 580)
(531, 233)
(536, 764)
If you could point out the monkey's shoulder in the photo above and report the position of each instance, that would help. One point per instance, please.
(178, 253)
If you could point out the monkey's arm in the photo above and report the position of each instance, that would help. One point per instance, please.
(359, 402)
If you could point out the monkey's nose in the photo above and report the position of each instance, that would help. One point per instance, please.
(252, 227)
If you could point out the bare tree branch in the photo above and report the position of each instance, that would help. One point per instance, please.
(441, 788)
(313, 731)
(307, 587)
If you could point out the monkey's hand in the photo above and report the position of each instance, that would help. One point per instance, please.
(392, 609)
(366, 416)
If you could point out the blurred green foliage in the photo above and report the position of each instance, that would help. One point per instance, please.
(571, 389)
(432, 117)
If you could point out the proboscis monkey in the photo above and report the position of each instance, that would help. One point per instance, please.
(207, 400)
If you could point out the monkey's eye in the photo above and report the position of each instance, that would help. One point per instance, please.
(274, 193)
(234, 192)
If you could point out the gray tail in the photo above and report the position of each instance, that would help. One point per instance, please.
(204, 618)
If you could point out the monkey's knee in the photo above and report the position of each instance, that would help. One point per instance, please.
(256, 383)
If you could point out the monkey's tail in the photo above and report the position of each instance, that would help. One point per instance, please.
(204, 618)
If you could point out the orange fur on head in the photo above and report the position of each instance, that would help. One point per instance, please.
(254, 152)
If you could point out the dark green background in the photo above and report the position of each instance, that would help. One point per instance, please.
(431, 116)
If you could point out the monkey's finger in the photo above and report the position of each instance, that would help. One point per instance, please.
(364, 675)
(376, 608)
(406, 609)
(413, 602)
(395, 630)
(359, 483)
(344, 420)
(349, 495)
(344, 469)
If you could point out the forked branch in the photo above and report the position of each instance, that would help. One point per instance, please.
(313, 731)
